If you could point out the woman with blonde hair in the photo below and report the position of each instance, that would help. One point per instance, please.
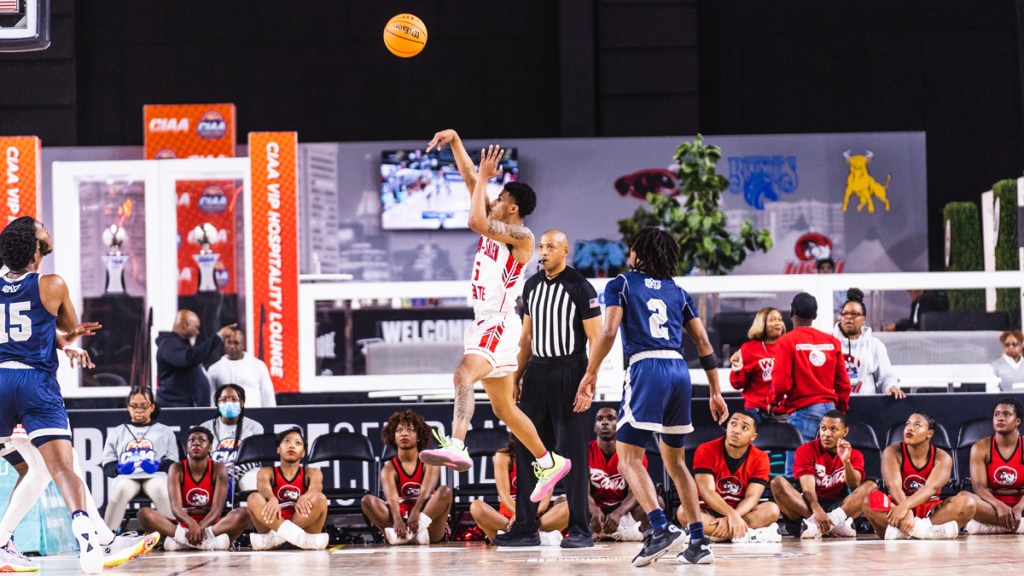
(752, 364)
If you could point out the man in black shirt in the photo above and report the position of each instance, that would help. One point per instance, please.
(179, 358)
(561, 315)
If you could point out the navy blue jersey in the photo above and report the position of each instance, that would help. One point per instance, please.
(654, 311)
(27, 329)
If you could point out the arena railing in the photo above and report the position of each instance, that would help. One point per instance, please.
(438, 385)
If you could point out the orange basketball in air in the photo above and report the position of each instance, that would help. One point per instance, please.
(405, 35)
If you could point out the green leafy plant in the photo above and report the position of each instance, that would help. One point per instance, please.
(1007, 251)
(963, 224)
(698, 223)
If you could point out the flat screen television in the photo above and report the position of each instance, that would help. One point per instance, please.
(424, 191)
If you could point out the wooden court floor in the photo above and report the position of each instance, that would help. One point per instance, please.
(975, 555)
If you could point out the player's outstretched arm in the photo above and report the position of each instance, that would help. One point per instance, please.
(695, 330)
(462, 159)
(599, 348)
(519, 237)
(57, 300)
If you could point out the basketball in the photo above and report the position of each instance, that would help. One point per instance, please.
(405, 35)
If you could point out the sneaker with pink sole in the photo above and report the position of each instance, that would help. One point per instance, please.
(547, 478)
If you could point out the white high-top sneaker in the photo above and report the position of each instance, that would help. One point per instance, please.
(267, 541)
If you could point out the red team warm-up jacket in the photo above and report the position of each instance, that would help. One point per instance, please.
(809, 369)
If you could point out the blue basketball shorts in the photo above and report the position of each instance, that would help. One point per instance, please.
(655, 399)
(32, 398)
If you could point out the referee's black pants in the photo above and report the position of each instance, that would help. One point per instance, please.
(549, 388)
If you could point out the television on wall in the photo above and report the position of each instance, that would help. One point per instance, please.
(424, 191)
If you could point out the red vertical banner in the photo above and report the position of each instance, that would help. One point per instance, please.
(189, 130)
(22, 176)
(275, 254)
(203, 204)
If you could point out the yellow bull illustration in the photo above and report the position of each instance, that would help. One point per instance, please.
(861, 183)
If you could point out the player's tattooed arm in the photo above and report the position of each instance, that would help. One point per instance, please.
(500, 231)
(465, 403)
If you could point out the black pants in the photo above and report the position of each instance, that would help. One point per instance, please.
(549, 388)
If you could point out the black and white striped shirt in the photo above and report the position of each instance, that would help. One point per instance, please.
(557, 309)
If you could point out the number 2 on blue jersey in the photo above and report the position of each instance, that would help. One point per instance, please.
(657, 320)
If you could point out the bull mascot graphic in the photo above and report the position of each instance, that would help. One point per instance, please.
(861, 183)
(600, 258)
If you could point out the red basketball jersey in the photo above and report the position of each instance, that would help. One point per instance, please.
(512, 490)
(196, 493)
(914, 478)
(827, 469)
(607, 486)
(288, 491)
(1006, 473)
(731, 482)
(408, 485)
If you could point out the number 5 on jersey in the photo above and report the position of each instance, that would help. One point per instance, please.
(20, 327)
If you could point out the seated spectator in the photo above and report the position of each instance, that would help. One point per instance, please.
(239, 367)
(414, 509)
(1009, 367)
(731, 475)
(289, 505)
(997, 473)
(867, 359)
(553, 519)
(752, 363)
(832, 486)
(614, 512)
(915, 472)
(920, 301)
(137, 456)
(230, 429)
(198, 489)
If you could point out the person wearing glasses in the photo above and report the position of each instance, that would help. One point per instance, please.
(1009, 367)
(867, 360)
(137, 456)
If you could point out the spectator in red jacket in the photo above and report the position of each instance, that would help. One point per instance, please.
(752, 363)
(809, 372)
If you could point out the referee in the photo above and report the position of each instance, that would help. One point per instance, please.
(561, 314)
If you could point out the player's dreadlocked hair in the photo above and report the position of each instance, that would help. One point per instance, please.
(18, 243)
(656, 252)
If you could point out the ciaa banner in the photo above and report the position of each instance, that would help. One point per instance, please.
(275, 254)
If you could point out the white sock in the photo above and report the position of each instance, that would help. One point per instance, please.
(458, 443)
(5, 537)
(181, 535)
(922, 528)
(1020, 526)
(546, 461)
(291, 533)
(103, 532)
(425, 522)
(208, 533)
(838, 516)
(81, 526)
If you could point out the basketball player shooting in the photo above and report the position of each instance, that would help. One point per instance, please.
(492, 341)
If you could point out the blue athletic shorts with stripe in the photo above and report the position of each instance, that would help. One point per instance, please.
(32, 398)
(655, 399)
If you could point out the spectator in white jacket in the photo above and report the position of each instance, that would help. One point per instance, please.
(1009, 366)
(136, 457)
(867, 360)
(239, 367)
